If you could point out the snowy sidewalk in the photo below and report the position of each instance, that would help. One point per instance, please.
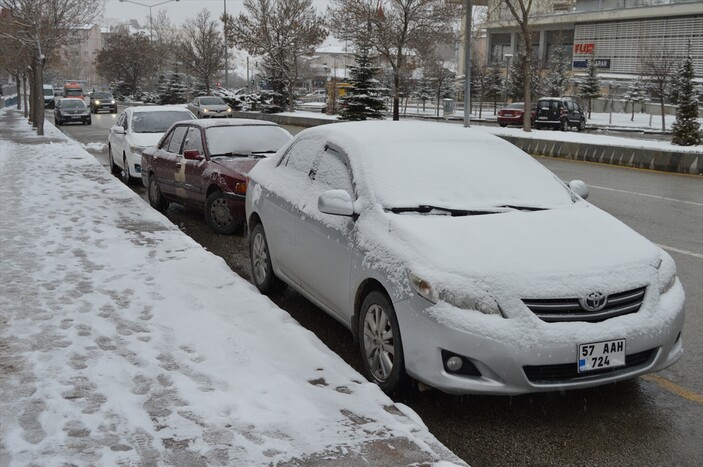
(123, 342)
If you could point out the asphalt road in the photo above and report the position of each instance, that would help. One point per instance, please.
(652, 420)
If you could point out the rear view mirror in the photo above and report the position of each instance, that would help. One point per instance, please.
(336, 203)
(118, 130)
(579, 187)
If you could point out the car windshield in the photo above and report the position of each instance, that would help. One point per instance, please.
(72, 104)
(466, 177)
(48, 91)
(73, 92)
(211, 101)
(102, 95)
(245, 139)
(157, 121)
(516, 105)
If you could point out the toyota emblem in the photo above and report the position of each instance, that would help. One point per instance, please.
(594, 301)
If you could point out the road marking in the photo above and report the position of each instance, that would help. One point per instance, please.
(683, 252)
(648, 196)
(675, 388)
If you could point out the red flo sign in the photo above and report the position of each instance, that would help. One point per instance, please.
(587, 48)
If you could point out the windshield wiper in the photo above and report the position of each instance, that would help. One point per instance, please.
(232, 154)
(522, 208)
(426, 208)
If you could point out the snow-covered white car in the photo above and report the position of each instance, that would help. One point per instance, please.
(210, 107)
(136, 129)
(460, 261)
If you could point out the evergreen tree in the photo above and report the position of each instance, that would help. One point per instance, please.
(674, 86)
(686, 129)
(515, 85)
(175, 91)
(423, 92)
(363, 99)
(557, 76)
(479, 77)
(636, 93)
(494, 83)
(590, 88)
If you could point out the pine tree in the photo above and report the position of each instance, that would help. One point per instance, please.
(494, 83)
(557, 76)
(423, 92)
(636, 93)
(515, 85)
(364, 97)
(590, 89)
(175, 90)
(686, 129)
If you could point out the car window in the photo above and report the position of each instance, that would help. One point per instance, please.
(193, 142)
(333, 172)
(73, 104)
(121, 120)
(301, 155)
(245, 139)
(211, 101)
(554, 105)
(570, 105)
(174, 145)
(157, 121)
(577, 107)
(102, 95)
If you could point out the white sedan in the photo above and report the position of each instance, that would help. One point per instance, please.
(458, 260)
(136, 129)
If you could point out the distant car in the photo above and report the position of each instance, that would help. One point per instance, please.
(512, 114)
(102, 100)
(210, 107)
(137, 128)
(560, 113)
(70, 110)
(49, 102)
(204, 164)
(405, 232)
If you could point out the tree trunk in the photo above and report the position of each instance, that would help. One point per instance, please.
(526, 118)
(663, 110)
(632, 119)
(19, 91)
(24, 95)
(396, 96)
(480, 104)
(39, 97)
(30, 97)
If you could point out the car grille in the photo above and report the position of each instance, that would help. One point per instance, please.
(569, 371)
(554, 310)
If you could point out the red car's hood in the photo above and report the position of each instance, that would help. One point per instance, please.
(240, 165)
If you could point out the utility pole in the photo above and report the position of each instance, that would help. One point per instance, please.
(227, 52)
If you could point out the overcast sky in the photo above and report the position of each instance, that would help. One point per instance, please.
(178, 11)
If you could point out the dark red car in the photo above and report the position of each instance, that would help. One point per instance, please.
(512, 114)
(204, 164)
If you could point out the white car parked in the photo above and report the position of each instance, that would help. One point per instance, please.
(136, 129)
(460, 261)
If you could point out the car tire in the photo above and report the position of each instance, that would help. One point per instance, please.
(126, 176)
(156, 198)
(582, 124)
(261, 269)
(113, 111)
(380, 344)
(537, 126)
(218, 216)
(114, 169)
(89, 121)
(564, 125)
(503, 124)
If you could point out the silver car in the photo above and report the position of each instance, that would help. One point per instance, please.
(210, 107)
(459, 261)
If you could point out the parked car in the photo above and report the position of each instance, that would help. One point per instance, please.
(137, 128)
(512, 114)
(210, 107)
(559, 113)
(204, 164)
(102, 100)
(49, 96)
(69, 110)
(406, 233)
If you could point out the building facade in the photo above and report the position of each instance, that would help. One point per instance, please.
(615, 33)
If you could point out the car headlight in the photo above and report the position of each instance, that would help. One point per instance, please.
(466, 300)
(97, 102)
(137, 149)
(667, 273)
(206, 110)
(229, 109)
(112, 102)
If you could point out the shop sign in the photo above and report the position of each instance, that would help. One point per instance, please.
(601, 63)
(585, 48)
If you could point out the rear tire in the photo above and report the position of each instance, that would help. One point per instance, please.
(261, 269)
(126, 176)
(565, 125)
(380, 344)
(582, 124)
(503, 124)
(156, 198)
(114, 170)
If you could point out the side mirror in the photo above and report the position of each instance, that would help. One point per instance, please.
(580, 188)
(118, 130)
(336, 203)
(193, 155)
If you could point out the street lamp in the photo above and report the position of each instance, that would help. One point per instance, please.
(151, 21)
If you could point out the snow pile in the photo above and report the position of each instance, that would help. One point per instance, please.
(123, 342)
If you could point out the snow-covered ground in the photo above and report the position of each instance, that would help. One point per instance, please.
(123, 342)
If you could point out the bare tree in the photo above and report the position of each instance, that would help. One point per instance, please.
(398, 27)
(14, 56)
(658, 65)
(279, 30)
(163, 36)
(201, 50)
(44, 27)
(127, 58)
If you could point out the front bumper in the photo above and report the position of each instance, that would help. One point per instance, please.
(514, 355)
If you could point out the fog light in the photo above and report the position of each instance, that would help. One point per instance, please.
(454, 364)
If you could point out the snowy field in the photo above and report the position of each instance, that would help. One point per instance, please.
(123, 342)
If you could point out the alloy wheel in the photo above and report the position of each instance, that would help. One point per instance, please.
(259, 257)
(220, 214)
(378, 342)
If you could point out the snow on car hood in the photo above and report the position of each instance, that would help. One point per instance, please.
(556, 251)
(240, 165)
(144, 139)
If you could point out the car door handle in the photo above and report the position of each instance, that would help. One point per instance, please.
(178, 164)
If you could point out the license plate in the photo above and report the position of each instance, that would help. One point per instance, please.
(599, 355)
(541, 118)
(78, 117)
